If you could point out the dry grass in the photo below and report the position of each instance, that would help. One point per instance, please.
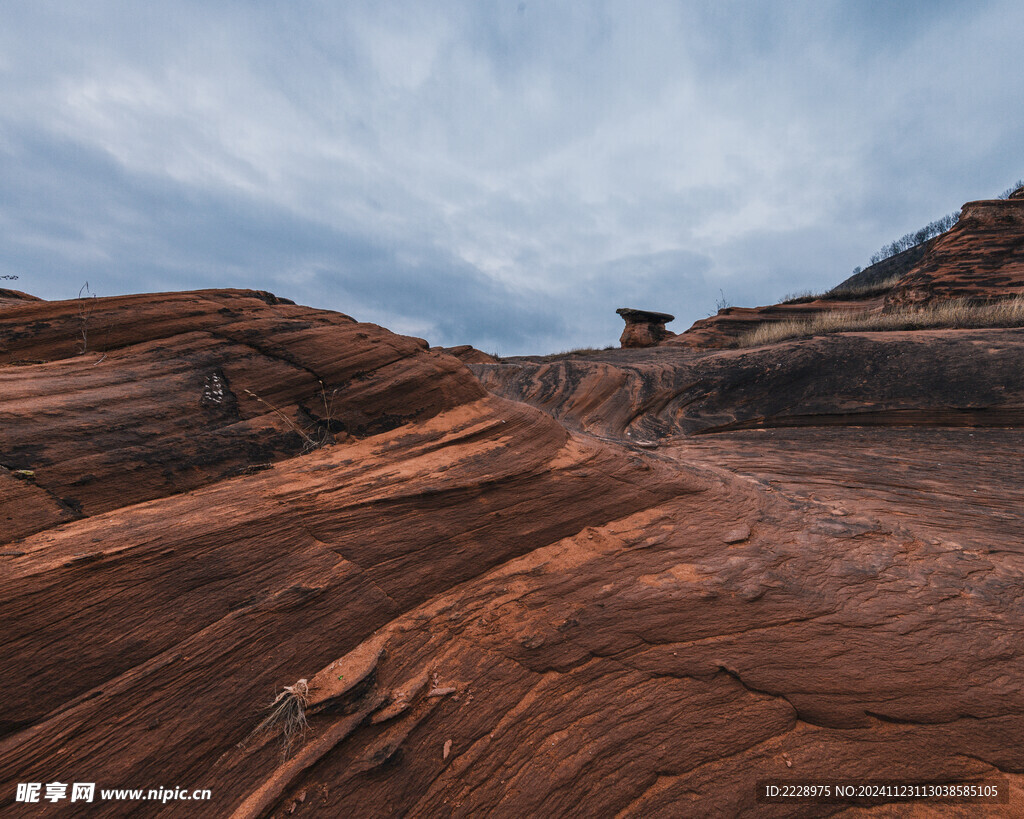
(801, 297)
(287, 716)
(952, 314)
(863, 291)
(853, 291)
(315, 436)
(581, 351)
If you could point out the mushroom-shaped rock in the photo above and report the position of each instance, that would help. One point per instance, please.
(644, 328)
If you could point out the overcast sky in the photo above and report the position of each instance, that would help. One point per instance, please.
(502, 173)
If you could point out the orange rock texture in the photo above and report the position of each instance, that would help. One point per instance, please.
(644, 328)
(9, 298)
(508, 589)
(979, 258)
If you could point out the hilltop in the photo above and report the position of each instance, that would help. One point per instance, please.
(978, 260)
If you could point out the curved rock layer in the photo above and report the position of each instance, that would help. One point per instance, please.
(176, 391)
(980, 258)
(937, 378)
(467, 354)
(483, 612)
(14, 298)
(725, 329)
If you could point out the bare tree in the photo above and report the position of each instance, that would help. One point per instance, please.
(917, 237)
(1010, 191)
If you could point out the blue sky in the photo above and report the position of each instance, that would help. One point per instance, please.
(502, 174)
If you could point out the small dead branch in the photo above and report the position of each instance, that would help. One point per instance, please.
(287, 716)
(86, 305)
(317, 436)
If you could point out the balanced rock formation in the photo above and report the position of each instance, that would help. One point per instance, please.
(644, 328)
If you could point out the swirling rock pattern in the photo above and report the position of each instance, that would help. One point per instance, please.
(497, 608)
(939, 378)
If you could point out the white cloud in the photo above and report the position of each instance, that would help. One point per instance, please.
(534, 148)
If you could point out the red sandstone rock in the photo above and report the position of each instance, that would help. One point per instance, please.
(14, 298)
(467, 354)
(644, 328)
(932, 377)
(605, 642)
(163, 400)
(980, 258)
(725, 329)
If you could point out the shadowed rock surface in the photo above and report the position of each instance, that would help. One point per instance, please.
(467, 354)
(501, 609)
(14, 298)
(934, 377)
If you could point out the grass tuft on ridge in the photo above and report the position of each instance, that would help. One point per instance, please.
(951, 314)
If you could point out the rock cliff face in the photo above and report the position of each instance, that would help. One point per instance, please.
(539, 598)
(931, 378)
(981, 258)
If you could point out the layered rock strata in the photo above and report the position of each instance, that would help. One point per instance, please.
(981, 258)
(486, 609)
(644, 328)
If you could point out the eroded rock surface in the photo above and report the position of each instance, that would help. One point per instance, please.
(467, 354)
(499, 610)
(935, 377)
(981, 258)
(175, 391)
(14, 298)
(644, 328)
(725, 329)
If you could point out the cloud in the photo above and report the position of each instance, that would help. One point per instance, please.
(502, 174)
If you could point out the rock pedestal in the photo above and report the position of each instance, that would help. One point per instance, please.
(644, 328)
